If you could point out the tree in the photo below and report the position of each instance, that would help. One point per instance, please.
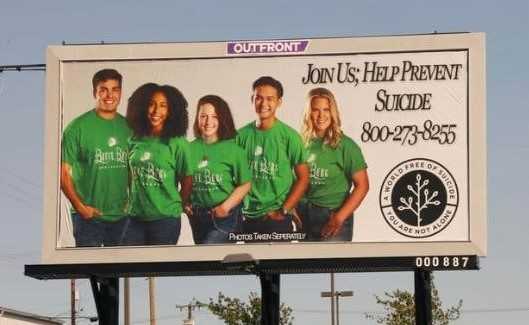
(399, 309)
(233, 311)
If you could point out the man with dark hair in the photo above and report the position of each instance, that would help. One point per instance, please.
(274, 151)
(94, 169)
(104, 75)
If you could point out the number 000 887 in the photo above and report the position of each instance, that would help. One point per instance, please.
(442, 261)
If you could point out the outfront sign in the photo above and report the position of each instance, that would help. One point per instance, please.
(280, 149)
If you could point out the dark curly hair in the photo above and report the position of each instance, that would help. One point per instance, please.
(138, 106)
(226, 126)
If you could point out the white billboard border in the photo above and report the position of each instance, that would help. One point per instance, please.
(473, 42)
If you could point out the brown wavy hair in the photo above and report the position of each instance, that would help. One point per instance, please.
(222, 109)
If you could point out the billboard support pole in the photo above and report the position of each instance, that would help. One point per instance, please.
(423, 297)
(270, 285)
(106, 296)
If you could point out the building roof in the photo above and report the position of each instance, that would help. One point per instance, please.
(28, 316)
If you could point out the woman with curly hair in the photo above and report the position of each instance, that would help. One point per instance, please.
(336, 162)
(159, 164)
(221, 175)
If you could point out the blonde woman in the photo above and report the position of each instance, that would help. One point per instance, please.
(336, 164)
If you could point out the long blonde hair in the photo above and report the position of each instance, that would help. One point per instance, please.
(333, 135)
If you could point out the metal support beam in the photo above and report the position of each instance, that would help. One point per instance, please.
(106, 296)
(423, 297)
(333, 305)
(270, 298)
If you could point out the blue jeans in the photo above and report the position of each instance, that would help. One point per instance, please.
(314, 219)
(264, 225)
(157, 232)
(208, 229)
(96, 233)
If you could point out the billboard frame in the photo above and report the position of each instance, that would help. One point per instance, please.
(134, 257)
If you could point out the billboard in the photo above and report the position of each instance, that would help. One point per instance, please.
(280, 149)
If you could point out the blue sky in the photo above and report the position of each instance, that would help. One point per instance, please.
(498, 292)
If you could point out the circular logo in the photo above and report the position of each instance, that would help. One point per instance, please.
(112, 141)
(419, 198)
(146, 156)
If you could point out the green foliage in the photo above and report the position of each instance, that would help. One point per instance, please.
(399, 309)
(233, 311)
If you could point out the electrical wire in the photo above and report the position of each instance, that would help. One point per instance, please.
(23, 67)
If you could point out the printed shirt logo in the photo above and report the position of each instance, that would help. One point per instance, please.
(419, 198)
(205, 180)
(115, 157)
(147, 173)
(202, 163)
(266, 47)
(318, 175)
(146, 156)
(112, 141)
(261, 167)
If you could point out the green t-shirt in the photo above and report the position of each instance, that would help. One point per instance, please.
(96, 150)
(156, 168)
(272, 155)
(331, 171)
(218, 169)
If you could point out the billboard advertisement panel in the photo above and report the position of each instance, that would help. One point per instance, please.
(281, 149)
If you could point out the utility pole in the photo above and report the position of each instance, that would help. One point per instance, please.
(126, 303)
(190, 308)
(152, 304)
(72, 301)
(338, 295)
(333, 294)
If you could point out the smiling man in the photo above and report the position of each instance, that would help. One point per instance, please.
(277, 160)
(94, 169)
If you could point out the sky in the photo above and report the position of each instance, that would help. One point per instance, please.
(496, 293)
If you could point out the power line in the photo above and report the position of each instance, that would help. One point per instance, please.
(191, 306)
(20, 190)
(23, 67)
(495, 310)
(463, 311)
(23, 202)
(22, 179)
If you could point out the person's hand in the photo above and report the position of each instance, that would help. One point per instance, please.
(188, 209)
(333, 226)
(88, 212)
(275, 215)
(220, 211)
